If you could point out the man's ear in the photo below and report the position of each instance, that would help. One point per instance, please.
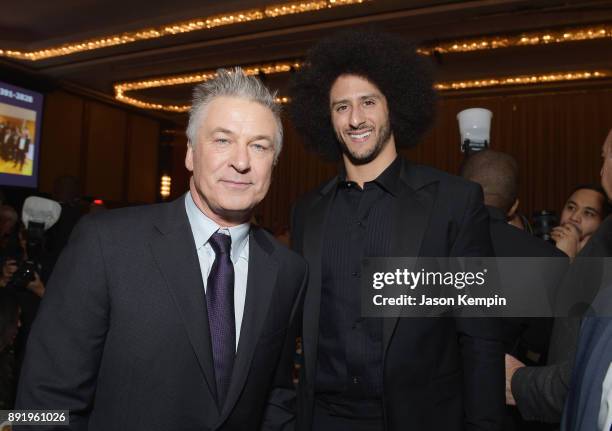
(189, 157)
(512, 211)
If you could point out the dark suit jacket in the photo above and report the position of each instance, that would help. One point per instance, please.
(508, 241)
(122, 337)
(540, 392)
(439, 373)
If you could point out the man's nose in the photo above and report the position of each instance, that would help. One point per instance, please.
(240, 158)
(575, 217)
(357, 118)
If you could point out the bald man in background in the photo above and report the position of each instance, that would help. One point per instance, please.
(524, 338)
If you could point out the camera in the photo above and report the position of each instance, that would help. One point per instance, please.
(543, 223)
(25, 274)
(38, 215)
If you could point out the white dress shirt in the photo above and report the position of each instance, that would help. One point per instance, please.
(605, 412)
(202, 229)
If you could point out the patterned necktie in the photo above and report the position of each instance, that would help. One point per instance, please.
(220, 306)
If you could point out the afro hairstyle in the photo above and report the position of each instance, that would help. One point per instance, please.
(387, 61)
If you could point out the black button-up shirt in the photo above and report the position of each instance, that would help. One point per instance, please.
(349, 369)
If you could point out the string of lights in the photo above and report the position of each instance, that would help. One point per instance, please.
(523, 80)
(122, 88)
(283, 67)
(198, 24)
(603, 31)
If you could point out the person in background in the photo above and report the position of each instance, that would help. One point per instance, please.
(582, 214)
(24, 277)
(525, 339)
(23, 146)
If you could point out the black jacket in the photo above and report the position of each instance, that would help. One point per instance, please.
(439, 373)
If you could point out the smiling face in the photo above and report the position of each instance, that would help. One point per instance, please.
(360, 118)
(232, 159)
(584, 209)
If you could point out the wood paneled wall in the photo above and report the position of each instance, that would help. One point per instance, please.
(556, 137)
(114, 152)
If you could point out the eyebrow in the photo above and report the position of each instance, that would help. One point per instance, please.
(365, 96)
(221, 130)
(261, 138)
(252, 139)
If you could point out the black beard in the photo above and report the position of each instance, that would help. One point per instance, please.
(364, 159)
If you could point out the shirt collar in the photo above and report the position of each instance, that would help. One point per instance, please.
(496, 213)
(202, 228)
(389, 179)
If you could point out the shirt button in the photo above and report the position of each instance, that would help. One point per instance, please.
(356, 380)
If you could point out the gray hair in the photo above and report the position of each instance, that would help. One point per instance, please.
(233, 83)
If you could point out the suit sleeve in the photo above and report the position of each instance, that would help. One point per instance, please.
(480, 339)
(281, 407)
(67, 339)
(540, 392)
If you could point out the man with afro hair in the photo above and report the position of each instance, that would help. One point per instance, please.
(359, 97)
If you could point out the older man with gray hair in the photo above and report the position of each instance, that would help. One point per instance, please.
(177, 316)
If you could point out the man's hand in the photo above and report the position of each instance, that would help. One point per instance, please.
(567, 239)
(512, 364)
(36, 286)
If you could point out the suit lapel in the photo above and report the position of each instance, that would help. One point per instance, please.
(261, 281)
(175, 253)
(410, 220)
(313, 240)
